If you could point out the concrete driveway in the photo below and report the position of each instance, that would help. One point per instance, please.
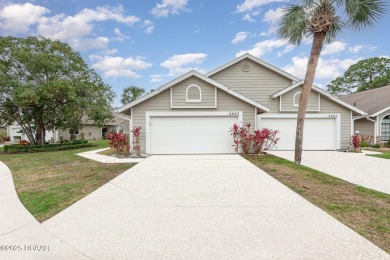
(203, 207)
(357, 168)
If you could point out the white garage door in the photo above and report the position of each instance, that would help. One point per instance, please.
(191, 135)
(319, 133)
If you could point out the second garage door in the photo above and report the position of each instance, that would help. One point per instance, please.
(319, 133)
(191, 135)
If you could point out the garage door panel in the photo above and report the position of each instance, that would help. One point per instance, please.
(191, 135)
(319, 133)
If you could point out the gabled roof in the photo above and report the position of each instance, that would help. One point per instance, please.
(373, 101)
(200, 76)
(256, 60)
(322, 92)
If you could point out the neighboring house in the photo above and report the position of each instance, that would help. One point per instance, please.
(15, 132)
(375, 126)
(3, 127)
(90, 130)
(193, 113)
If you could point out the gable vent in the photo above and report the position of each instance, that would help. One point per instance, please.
(245, 66)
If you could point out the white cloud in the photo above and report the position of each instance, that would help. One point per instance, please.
(116, 67)
(240, 37)
(247, 17)
(334, 48)
(355, 48)
(17, 18)
(182, 63)
(149, 26)
(252, 8)
(327, 69)
(120, 36)
(358, 48)
(272, 18)
(260, 48)
(156, 78)
(167, 7)
(66, 28)
(75, 30)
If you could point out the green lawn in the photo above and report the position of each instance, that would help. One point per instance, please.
(49, 182)
(363, 210)
(385, 155)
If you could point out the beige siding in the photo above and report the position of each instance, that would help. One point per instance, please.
(179, 93)
(379, 121)
(161, 103)
(330, 107)
(96, 133)
(287, 100)
(257, 84)
(364, 126)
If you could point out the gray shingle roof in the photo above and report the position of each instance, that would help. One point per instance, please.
(370, 101)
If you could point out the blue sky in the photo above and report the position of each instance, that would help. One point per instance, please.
(148, 43)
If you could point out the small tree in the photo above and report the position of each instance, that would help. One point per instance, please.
(366, 74)
(46, 85)
(130, 94)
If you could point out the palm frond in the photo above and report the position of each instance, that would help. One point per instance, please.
(363, 13)
(293, 24)
(335, 29)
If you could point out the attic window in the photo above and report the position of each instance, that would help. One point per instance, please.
(193, 93)
(296, 99)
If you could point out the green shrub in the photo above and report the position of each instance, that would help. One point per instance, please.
(388, 143)
(14, 148)
(364, 144)
(377, 146)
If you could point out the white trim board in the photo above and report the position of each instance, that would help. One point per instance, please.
(381, 111)
(150, 114)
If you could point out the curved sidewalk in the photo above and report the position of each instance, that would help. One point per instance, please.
(21, 235)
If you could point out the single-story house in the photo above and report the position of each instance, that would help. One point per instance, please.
(193, 113)
(90, 131)
(375, 126)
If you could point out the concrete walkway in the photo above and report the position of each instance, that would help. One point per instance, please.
(357, 168)
(203, 207)
(21, 235)
(93, 155)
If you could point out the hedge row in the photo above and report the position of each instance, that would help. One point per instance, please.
(14, 148)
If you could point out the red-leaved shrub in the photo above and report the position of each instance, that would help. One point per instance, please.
(264, 139)
(355, 141)
(259, 141)
(23, 143)
(118, 142)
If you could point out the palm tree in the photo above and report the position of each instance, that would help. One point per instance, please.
(323, 19)
(130, 94)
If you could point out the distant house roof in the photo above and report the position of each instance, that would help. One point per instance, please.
(373, 101)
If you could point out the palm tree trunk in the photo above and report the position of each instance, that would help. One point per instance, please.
(318, 42)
